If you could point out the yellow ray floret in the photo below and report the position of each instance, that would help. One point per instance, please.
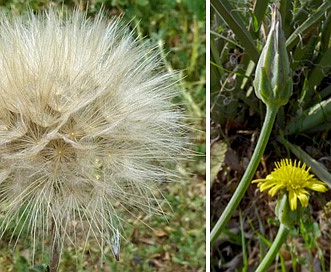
(295, 178)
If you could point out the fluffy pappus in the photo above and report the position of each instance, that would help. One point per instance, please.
(87, 126)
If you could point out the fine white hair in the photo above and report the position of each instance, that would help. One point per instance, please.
(87, 126)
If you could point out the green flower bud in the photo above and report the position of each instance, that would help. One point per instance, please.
(284, 213)
(273, 82)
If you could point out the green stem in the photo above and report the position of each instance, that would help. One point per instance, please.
(249, 173)
(277, 243)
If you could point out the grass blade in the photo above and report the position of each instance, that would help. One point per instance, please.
(312, 117)
(233, 19)
(306, 25)
(319, 72)
(286, 11)
(259, 11)
(243, 243)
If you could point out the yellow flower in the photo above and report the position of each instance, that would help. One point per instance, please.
(292, 177)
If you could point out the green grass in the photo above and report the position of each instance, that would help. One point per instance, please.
(175, 242)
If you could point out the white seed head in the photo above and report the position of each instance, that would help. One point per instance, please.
(87, 127)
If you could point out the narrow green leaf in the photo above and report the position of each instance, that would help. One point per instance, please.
(326, 34)
(286, 11)
(248, 74)
(255, 23)
(259, 11)
(231, 236)
(226, 39)
(39, 268)
(318, 73)
(228, 71)
(310, 118)
(265, 240)
(234, 21)
(325, 92)
(303, 8)
(215, 72)
(243, 243)
(306, 25)
(303, 53)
